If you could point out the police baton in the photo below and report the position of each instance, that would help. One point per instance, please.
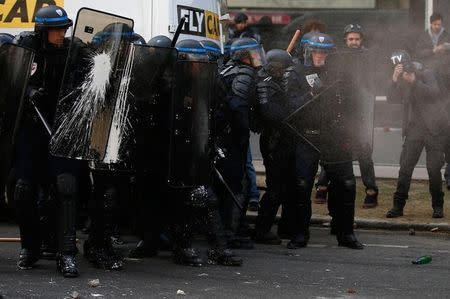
(41, 117)
(178, 31)
(220, 177)
(294, 41)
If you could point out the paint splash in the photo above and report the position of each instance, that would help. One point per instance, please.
(75, 127)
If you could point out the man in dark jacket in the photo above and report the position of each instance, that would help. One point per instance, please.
(424, 124)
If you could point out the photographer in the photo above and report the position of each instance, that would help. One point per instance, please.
(424, 124)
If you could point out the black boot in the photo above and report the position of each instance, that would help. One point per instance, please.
(67, 265)
(299, 241)
(396, 210)
(27, 259)
(142, 251)
(438, 212)
(371, 199)
(102, 255)
(49, 249)
(350, 241)
(66, 195)
(267, 238)
(224, 257)
(188, 256)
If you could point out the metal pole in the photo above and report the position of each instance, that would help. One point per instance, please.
(428, 12)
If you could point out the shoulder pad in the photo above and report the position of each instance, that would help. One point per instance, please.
(27, 39)
(266, 90)
(244, 82)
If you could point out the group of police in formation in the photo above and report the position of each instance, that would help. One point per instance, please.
(192, 119)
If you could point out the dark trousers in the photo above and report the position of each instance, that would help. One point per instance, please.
(412, 148)
(341, 194)
(280, 179)
(366, 168)
(35, 171)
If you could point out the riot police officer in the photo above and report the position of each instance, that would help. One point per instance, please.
(353, 38)
(277, 143)
(309, 80)
(237, 94)
(200, 202)
(5, 38)
(32, 163)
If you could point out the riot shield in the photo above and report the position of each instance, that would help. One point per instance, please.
(15, 69)
(139, 135)
(338, 122)
(191, 121)
(91, 84)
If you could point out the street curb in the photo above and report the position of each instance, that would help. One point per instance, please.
(374, 224)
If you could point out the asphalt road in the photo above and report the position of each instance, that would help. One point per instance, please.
(322, 270)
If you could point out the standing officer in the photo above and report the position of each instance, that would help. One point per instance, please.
(237, 93)
(32, 163)
(353, 37)
(308, 81)
(277, 144)
(425, 124)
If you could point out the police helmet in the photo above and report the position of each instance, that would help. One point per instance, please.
(402, 57)
(190, 49)
(161, 41)
(137, 39)
(248, 51)
(277, 62)
(317, 42)
(353, 28)
(113, 31)
(6, 38)
(212, 49)
(51, 16)
(227, 50)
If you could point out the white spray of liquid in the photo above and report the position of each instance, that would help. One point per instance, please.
(75, 127)
(120, 124)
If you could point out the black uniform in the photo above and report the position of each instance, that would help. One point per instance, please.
(33, 166)
(237, 85)
(277, 145)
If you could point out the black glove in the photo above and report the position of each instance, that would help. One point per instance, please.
(37, 94)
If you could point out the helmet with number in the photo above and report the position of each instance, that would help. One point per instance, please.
(6, 38)
(161, 41)
(212, 50)
(248, 51)
(190, 49)
(51, 16)
(353, 28)
(317, 42)
(277, 62)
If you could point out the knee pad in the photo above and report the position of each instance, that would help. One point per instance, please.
(213, 200)
(302, 184)
(350, 183)
(23, 191)
(110, 198)
(66, 184)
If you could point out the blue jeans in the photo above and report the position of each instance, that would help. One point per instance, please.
(250, 175)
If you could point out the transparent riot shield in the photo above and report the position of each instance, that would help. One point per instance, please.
(15, 69)
(338, 122)
(191, 122)
(139, 135)
(91, 84)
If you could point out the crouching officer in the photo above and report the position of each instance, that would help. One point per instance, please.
(308, 81)
(32, 163)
